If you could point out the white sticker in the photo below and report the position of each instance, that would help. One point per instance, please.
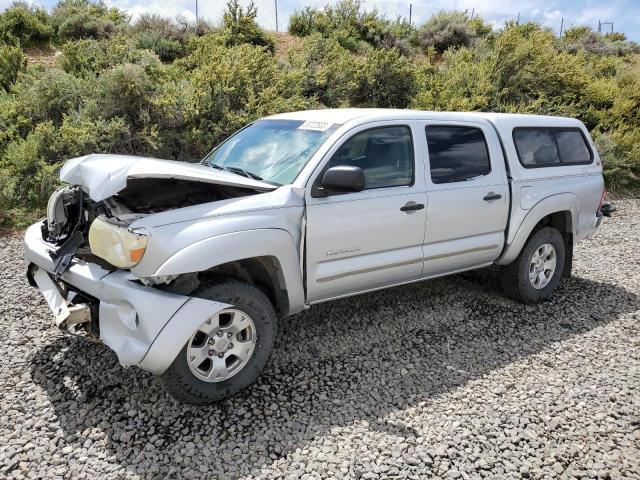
(314, 125)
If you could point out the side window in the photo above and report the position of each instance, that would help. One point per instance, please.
(536, 147)
(572, 147)
(547, 147)
(384, 154)
(457, 153)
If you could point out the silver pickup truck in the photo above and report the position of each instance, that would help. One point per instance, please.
(183, 269)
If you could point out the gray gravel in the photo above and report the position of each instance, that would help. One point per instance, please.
(439, 379)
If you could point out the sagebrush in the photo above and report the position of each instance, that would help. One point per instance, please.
(173, 89)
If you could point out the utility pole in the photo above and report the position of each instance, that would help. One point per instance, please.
(410, 12)
(197, 22)
(518, 21)
(276, 3)
(561, 25)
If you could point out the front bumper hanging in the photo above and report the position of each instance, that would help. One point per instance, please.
(143, 325)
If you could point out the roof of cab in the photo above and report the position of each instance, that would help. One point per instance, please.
(363, 115)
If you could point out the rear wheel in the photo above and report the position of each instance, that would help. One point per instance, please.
(229, 350)
(536, 273)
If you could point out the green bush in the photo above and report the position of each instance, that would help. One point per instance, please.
(585, 39)
(447, 29)
(387, 80)
(75, 19)
(12, 62)
(175, 29)
(165, 37)
(239, 26)
(43, 96)
(88, 57)
(24, 25)
(110, 91)
(233, 86)
(166, 48)
(329, 72)
(28, 169)
(462, 82)
(351, 26)
(527, 68)
(303, 23)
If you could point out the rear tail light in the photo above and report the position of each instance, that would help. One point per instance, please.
(604, 192)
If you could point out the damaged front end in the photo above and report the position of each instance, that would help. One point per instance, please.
(80, 256)
(65, 225)
(93, 221)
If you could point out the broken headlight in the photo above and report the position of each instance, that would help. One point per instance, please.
(116, 244)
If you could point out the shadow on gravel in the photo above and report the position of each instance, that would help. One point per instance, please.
(353, 360)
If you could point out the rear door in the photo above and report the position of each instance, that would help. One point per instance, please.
(373, 238)
(468, 196)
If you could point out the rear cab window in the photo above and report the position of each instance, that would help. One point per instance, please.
(550, 147)
(457, 153)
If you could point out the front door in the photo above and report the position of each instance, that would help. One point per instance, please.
(468, 196)
(373, 238)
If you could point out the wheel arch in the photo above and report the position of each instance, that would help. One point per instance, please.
(265, 272)
(265, 257)
(559, 211)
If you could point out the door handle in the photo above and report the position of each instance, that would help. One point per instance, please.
(411, 206)
(492, 196)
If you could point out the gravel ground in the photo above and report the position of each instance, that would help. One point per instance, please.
(439, 379)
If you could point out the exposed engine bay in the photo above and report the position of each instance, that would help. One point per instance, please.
(70, 211)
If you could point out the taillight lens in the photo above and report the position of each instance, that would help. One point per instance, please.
(604, 192)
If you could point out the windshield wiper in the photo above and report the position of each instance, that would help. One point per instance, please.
(244, 173)
(237, 171)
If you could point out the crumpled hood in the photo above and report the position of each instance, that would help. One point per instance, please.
(104, 175)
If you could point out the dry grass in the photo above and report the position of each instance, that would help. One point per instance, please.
(46, 56)
(285, 43)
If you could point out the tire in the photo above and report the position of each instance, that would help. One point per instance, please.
(515, 277)
(181, 379)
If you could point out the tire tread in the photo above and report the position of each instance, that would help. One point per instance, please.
(515, 283)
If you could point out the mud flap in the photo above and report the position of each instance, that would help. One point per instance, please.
(568, 255)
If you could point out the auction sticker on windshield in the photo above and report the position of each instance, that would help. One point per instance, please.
(315, 125)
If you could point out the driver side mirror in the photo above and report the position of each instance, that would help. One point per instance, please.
(342, 179)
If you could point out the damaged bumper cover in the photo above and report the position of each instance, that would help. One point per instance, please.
(144, 326)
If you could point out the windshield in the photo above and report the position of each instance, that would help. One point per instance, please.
(275, 151)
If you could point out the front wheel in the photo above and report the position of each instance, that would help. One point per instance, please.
(229, 350)
(536, 273)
